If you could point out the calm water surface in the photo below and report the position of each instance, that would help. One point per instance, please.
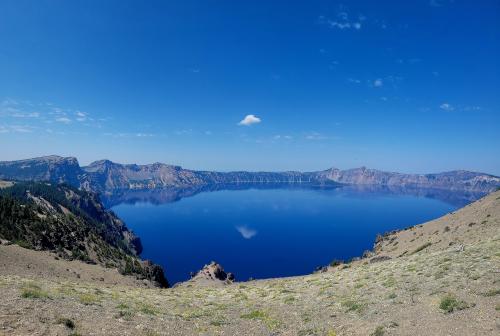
(270, 233)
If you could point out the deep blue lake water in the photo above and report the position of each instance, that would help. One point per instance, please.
(270, 233)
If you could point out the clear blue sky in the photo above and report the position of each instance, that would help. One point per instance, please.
(408, 86)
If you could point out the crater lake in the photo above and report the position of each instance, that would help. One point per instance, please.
(266, 232)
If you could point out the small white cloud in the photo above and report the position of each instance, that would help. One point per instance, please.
(144, 135)
(80, 116)
(285, 137)
(249, 120)
(354, 80)
(342, 21)
(378, 82)
(184, 132)
(25, 115)
(246, 232)
(315, 136)
(64, 120)
(472, 108)
(447, 107)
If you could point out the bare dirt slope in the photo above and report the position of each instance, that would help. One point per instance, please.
(46, 265)
(442, 278)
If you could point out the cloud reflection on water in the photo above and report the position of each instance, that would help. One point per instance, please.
(246, 232)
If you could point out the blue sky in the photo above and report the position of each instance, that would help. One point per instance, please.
(407, 86)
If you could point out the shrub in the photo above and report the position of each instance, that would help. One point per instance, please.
(336, 262)
(379, 331)
(32, 291)
(148, 309)
(89, 299)
(449, 303)
(24, 244)
(255, 315)
(352, 305)
(67, 322)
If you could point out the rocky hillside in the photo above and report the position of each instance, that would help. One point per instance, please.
(438, 278)
(108, 177)
(72, 223)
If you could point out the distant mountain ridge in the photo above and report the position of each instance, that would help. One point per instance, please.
(105, 176)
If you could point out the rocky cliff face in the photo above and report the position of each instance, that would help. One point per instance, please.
(105, 175)
(48, 168)
(74, 224)
(454, 180)
(108, 177)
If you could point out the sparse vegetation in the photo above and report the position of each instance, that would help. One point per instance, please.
(261, 316)
(255, 315)
(33, 291)
(379, 331)
(88, 299)
(148, 309)
(352, 305)
(492, 292)
(450, 303)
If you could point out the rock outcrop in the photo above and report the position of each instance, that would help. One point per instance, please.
(212, 274)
